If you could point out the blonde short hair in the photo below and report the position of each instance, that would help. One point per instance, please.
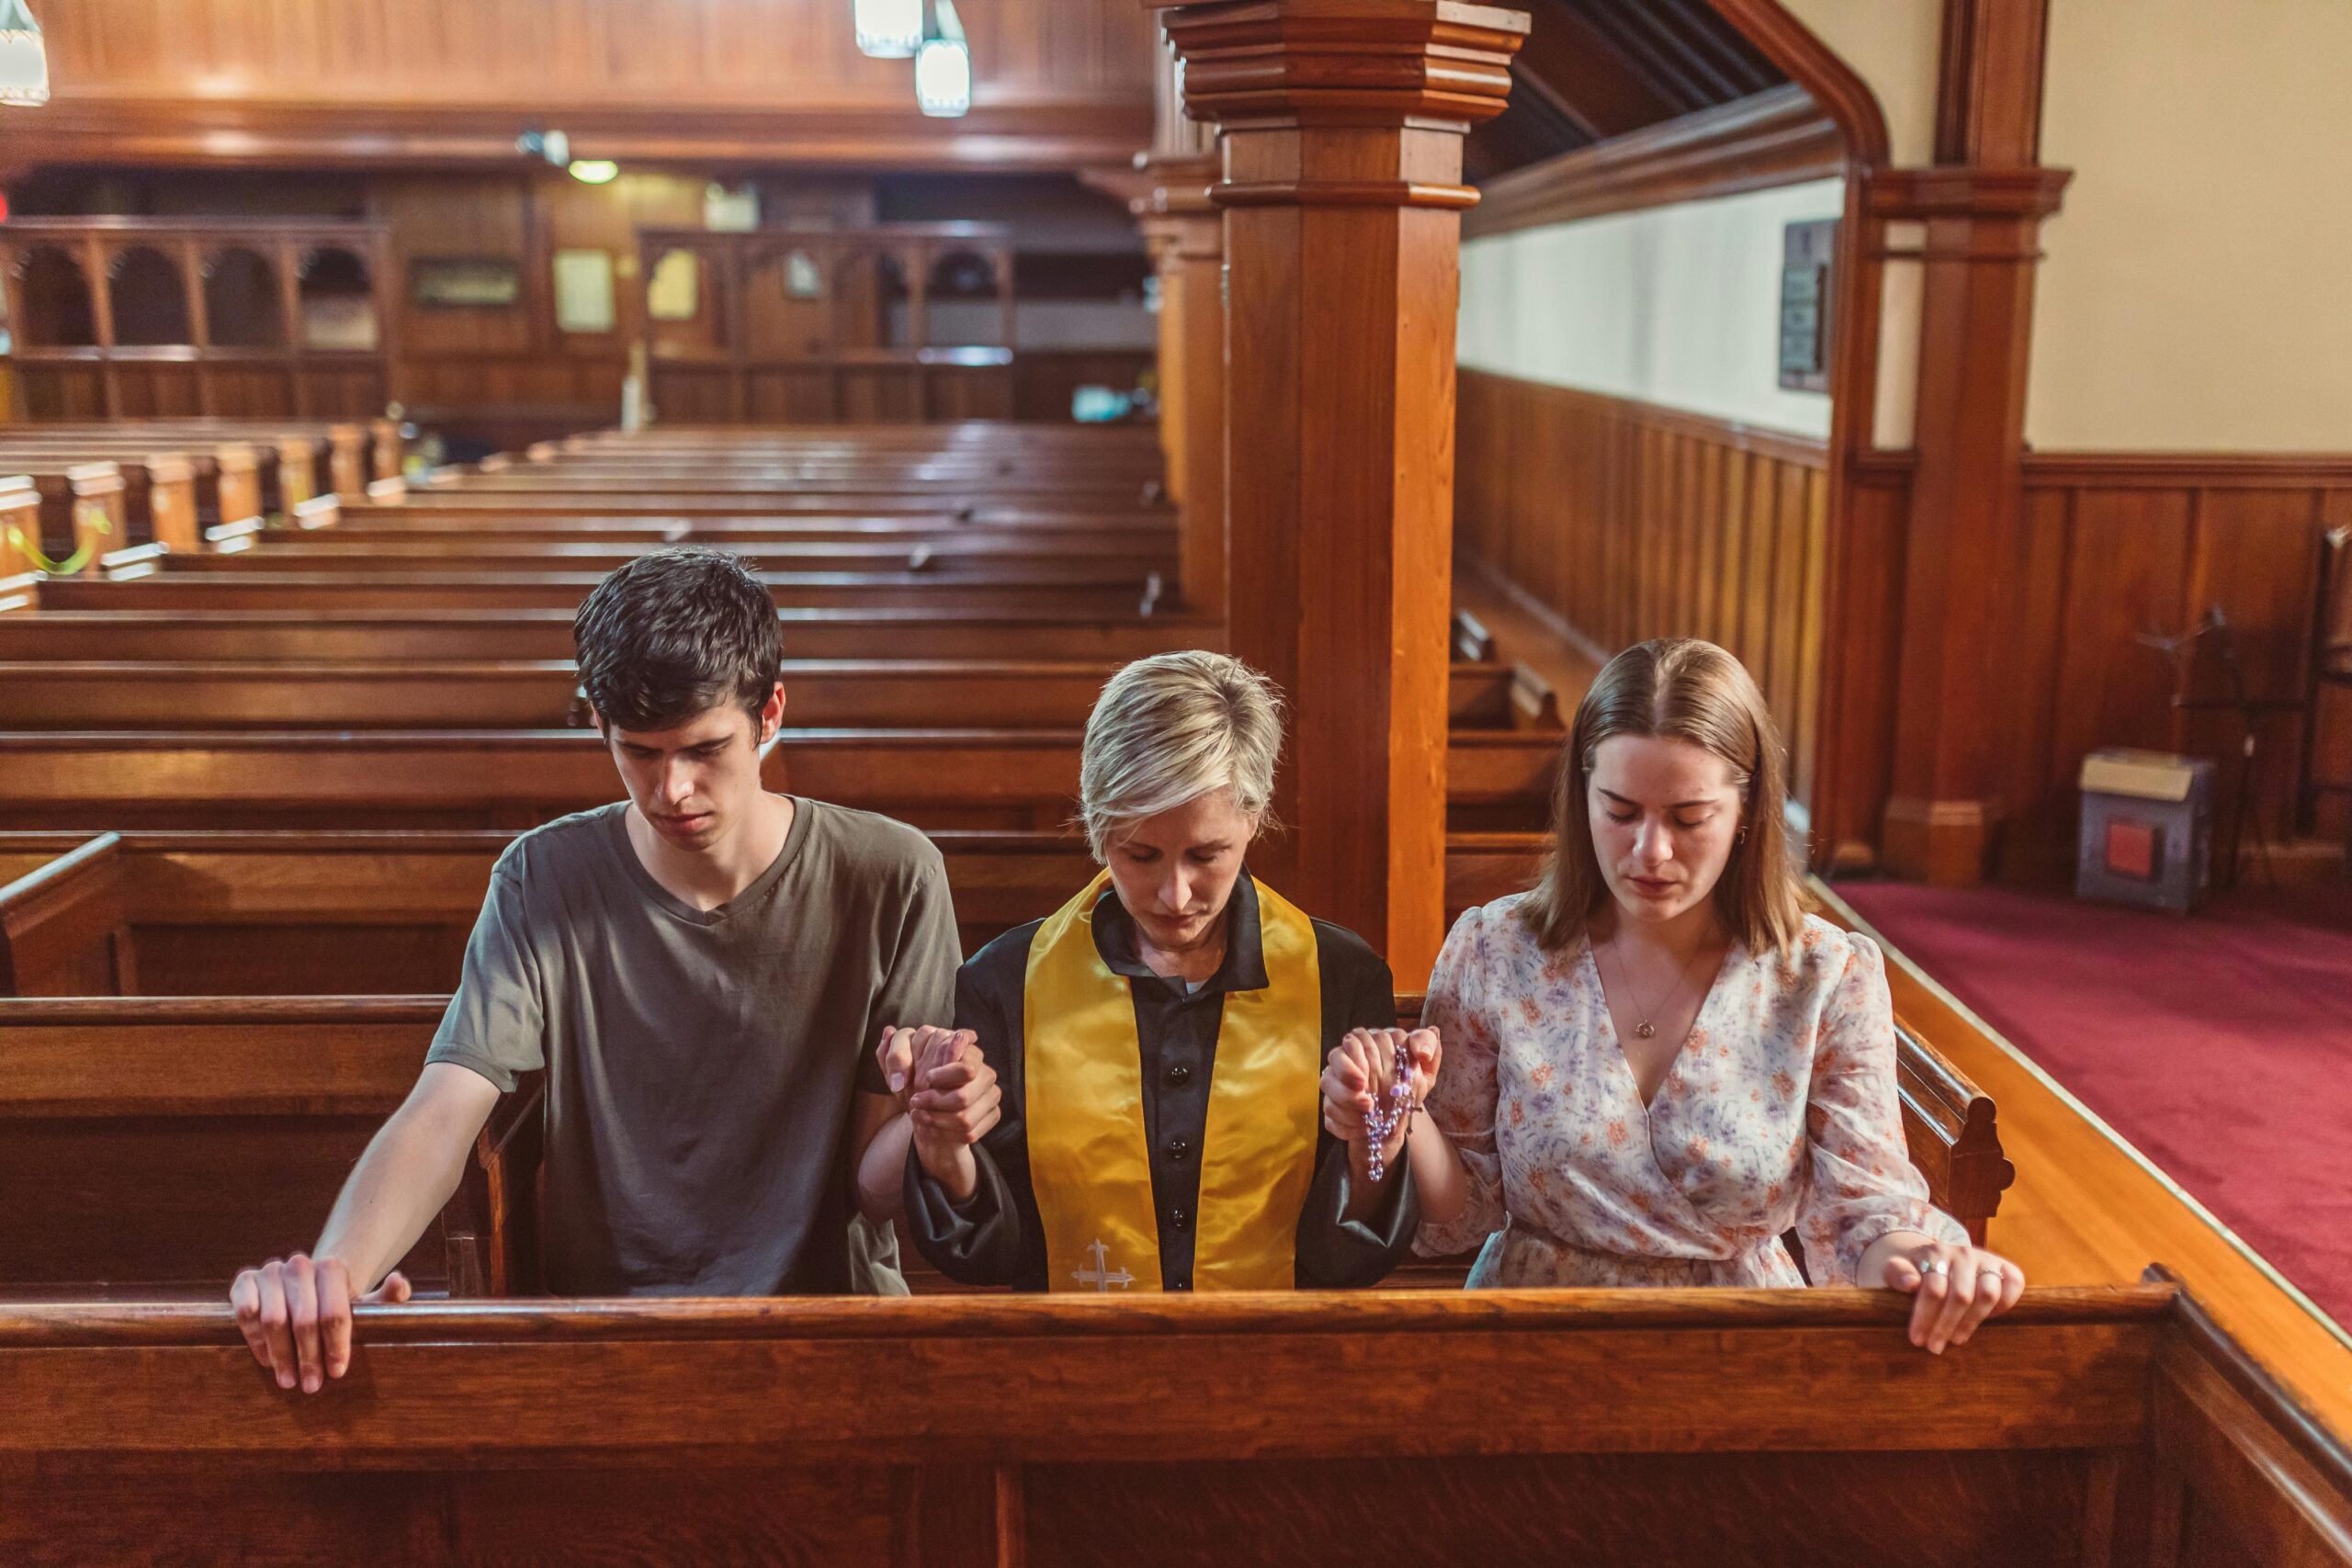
(1174, 727)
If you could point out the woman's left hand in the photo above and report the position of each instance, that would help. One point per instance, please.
(1956, 1288)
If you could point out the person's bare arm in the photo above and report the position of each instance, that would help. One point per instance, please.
(879, 1140)
(295, 1312)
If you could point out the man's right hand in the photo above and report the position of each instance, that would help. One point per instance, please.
(296, 1317)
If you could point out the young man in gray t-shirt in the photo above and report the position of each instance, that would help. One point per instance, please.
(697, 970)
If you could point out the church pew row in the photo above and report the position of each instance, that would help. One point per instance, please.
(1497, 780)
(1665, 1428)
(100, 1099)
(451, 527)
(442, 694)
(1100, 592)
(292, 914)
(996, 552)
(984, 510)
(291, 636)
(350, 453)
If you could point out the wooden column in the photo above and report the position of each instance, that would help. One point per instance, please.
(1187, 232)
(1343, 124)
(1982, 208)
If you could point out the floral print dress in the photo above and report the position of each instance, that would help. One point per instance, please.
(1779, 1111)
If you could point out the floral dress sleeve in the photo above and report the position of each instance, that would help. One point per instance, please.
(1462, 1102)
(1862, 1184)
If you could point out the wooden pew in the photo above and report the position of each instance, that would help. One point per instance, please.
(141, 694)
(319, 914)
(296, 637)
(20, 539)
(1664, 1429)
(314, 913)
(81, 512)
(333, 458)
(286, 778)
(1103, 592)
(1123, 560)
(154, 1146)
(157, 1072)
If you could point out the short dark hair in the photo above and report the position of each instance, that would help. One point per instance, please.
(677, 633)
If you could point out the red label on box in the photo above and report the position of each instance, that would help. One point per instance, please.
(2134, 849)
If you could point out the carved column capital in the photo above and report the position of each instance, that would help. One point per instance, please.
(1413, 69)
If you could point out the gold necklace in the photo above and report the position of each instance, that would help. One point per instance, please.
(1645, 1029)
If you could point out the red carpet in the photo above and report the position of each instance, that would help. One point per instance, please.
(2220, 1046)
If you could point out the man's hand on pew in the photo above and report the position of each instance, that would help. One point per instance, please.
(1955, 1287)
(296, 1317)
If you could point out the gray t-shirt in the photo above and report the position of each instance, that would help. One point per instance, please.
(701, 1064)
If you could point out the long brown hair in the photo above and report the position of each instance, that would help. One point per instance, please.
(1676, 689)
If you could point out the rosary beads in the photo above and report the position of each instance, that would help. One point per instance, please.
(1384, 1118)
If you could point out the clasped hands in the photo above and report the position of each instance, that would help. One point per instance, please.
(1359, 1074)
(951, 1096)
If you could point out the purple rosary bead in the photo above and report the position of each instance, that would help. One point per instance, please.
(1383, 1119)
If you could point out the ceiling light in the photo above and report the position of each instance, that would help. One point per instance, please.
(595, 171)
(888, 29)
(944, 65)
(24, 61)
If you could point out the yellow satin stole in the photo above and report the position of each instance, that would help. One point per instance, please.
(1089, 1155)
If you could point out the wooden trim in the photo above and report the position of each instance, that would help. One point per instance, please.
(1011, 128)
(1967, 192)
(1810, 451)
(2172, 470)
(2311, 1438)
(1776, 138)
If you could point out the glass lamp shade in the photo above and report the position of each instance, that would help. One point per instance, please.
(943, 78)
(888, 29)
(24, 61)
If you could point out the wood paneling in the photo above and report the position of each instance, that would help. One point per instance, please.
(1624, 521)
(2110, 549)
(1057, 82)
(2110, 556)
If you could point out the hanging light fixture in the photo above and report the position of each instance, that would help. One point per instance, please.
(24, 61)
(595, 171)
(887, 29)
(944, 65)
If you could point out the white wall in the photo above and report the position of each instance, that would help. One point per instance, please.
(2197, 293)
(1674, 305)
(1895, 47)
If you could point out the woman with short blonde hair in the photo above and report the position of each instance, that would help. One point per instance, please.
(1656, 1063)
(1158, 1040)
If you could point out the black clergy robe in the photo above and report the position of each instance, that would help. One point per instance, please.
(995, 1236)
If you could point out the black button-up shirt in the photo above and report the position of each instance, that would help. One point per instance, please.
(995, 1237)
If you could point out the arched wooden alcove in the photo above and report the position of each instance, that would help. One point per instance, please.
(248, 318)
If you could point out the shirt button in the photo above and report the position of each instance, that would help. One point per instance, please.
(1178, 1075)
(1178, 1148)
(1183, 1284)
(1177, 1219)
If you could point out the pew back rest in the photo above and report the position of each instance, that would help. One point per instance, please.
(62, 933)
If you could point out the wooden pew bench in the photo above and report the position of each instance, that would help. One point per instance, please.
(1105, 593)
(511, 778)
(381, 636)
(165, 1084)
(1661, 1429)
(205, 913)
(993, 553)
(132, 692)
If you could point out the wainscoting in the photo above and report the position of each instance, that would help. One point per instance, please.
(1619, 521)
(2118, 547)
(1622, 521)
